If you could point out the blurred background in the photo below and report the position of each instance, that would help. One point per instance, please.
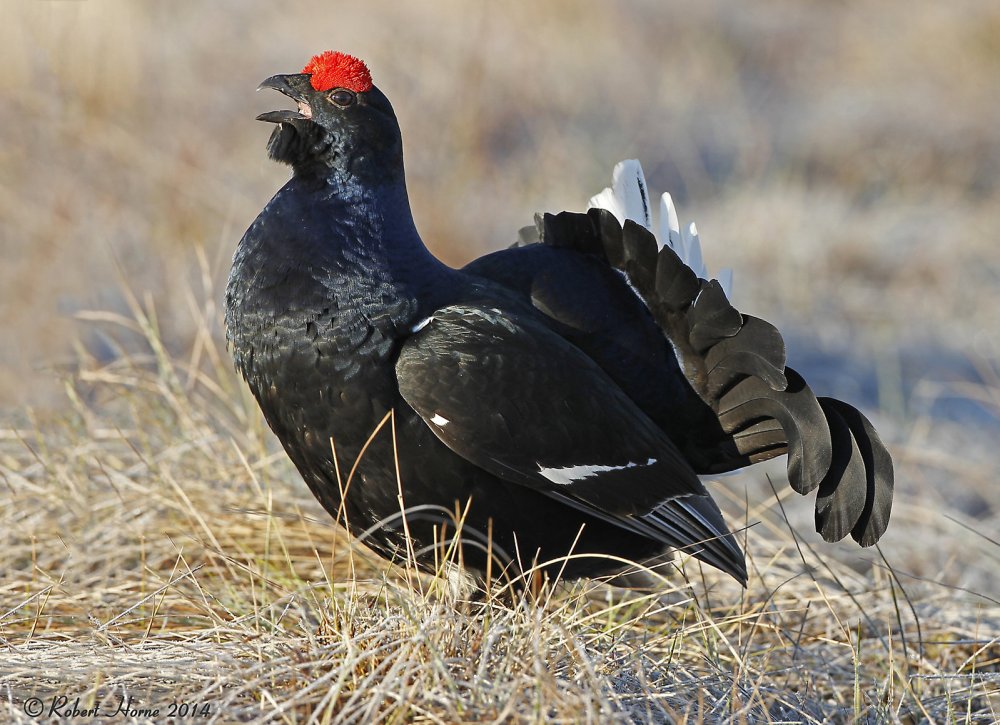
(843, 159)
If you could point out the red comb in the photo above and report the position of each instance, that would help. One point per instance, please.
(338, 70)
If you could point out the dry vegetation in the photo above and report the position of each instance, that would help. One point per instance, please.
(158, 544)
(162, 549)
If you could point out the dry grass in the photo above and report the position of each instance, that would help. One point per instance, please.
(158, 544)
(159, 547)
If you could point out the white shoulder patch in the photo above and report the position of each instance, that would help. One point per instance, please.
(439, 420)
(570, 474)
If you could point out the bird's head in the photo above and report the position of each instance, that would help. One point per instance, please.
(343, 123)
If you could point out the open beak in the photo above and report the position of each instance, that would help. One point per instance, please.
(294, 86)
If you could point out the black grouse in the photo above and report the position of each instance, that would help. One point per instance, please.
(559, 398)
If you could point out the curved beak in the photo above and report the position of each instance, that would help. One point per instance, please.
(295, 87)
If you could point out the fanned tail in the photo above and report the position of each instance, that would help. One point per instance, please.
(752, 406)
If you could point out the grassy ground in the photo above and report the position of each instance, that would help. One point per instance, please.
(157, 544)
(161, 548)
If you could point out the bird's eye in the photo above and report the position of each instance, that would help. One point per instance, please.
(342, 97)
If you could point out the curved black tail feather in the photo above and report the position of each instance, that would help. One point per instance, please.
(735, 365)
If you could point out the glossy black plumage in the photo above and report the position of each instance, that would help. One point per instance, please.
(561, 395)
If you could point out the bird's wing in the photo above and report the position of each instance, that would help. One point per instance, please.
(511, 396)
(516, 399)
(743, 402)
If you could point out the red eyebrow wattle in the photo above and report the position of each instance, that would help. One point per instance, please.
(332, 69)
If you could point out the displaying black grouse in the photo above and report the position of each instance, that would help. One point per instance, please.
(560, 398)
